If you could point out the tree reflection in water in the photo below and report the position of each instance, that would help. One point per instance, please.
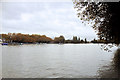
(112, 70)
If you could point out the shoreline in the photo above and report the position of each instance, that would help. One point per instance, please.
(48, 43)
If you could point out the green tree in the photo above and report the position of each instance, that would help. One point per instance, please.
(60, 39)
(85, 40)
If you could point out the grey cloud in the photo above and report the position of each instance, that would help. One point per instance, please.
(52, 19)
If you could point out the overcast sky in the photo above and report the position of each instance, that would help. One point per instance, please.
(44, 18)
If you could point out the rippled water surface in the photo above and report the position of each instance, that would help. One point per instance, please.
(55, 61)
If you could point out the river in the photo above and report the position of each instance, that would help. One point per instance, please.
(56, 61)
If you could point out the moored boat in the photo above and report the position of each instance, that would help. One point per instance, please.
(4, 43)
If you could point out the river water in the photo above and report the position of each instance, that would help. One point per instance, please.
(56, 61)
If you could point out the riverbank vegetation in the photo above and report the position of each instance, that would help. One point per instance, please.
(35, 38)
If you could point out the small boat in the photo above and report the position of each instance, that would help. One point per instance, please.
(4, 43)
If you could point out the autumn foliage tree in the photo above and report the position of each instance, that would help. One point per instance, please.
(25, 38)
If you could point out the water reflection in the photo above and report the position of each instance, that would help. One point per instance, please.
(111, 70)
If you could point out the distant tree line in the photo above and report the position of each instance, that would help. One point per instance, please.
(25, 38)
(35, 38)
